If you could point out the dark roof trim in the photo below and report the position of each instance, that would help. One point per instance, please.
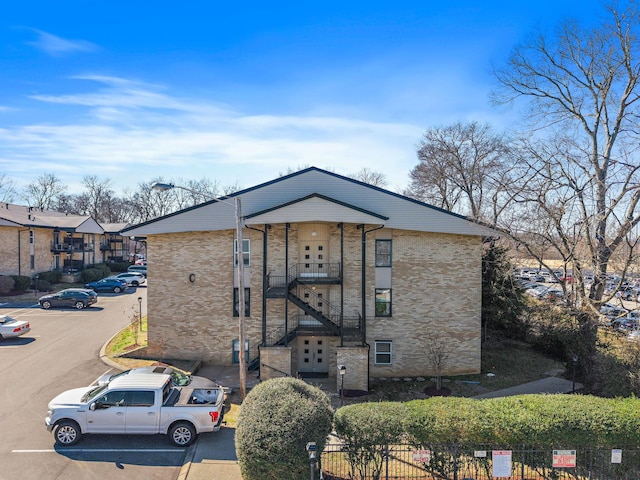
(291, 175)
(323, 197)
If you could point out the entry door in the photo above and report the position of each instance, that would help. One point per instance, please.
(314, 255)
(312, 355)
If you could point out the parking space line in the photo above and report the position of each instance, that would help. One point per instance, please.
(103, 450)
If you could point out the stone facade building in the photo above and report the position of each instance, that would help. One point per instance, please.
(33, 240)
(336, 272)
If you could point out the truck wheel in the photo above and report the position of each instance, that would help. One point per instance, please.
(182, 434)
(67, 433)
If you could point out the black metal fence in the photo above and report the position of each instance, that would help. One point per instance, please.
(455, 462)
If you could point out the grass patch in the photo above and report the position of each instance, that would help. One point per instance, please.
(130, 338)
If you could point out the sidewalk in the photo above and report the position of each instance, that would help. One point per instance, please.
(213, 455)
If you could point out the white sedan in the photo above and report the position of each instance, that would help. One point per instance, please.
(133, 279)
(10, 327)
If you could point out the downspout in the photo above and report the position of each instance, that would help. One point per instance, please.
(341, 225)
(286, 284)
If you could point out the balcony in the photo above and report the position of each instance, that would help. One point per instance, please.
(69, 247)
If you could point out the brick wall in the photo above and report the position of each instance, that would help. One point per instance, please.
(436, 293)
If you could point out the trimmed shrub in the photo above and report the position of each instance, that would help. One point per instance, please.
(22, 282)
(52, 277)
(367, 429)
(6, 284)
(44, 286)
(277, 420)
(95, 272)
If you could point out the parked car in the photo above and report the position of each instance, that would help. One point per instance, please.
(108, 285)
(179, 379)
(71, 297)
(10, 327)
(634, 336)
(612, 316)
(627, 292)
(133, 279)
(138, 268)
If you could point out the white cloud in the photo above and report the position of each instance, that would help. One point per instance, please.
(56, 46)
(132, 132)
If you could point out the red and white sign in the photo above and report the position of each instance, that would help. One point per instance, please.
(422, 456)
(564, 459)
(501, 463)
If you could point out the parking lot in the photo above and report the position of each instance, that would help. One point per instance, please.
(59, 353)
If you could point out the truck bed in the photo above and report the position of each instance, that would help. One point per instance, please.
(193, 396)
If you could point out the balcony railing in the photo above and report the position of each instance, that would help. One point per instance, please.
(71, 247)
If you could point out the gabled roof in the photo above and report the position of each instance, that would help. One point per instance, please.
(22, 216)
(313, 195)
(113, 228)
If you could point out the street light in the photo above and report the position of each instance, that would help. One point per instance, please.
(241, 303)
(342, 369)
(140, 312)
(574, 361)
(312, 448)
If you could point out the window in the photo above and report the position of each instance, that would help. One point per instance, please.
(383, 253)
(141, 399)
(246, 251)
(247, 302)
(112, 399)
(383, 302)
(383, 352)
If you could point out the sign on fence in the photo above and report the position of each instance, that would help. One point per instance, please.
(616, 455)
(564, 459)
(501, 463)
(422, 456)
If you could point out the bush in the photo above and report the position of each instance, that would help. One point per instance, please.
(277, 420)
(95, 272)
(52, 277)
(367, 429)
(6, 284)
(22, 282)
(44, 286)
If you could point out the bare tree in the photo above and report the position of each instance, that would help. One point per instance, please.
(372, 177)
(462, 168)
(438, 353)
(7, 189)
(44, 191)
(581, 87)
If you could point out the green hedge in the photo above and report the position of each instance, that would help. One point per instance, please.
(95, 272)
(277, 420)
(22, 282)
(445, 424)
(541, 420)
(52, 277)
(6, 284)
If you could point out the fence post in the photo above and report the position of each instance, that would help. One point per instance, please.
(455, 461)
(522, 464)
(386, 462)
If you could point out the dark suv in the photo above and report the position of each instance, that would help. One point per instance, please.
(71, 297)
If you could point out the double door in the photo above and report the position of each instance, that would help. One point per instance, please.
(312, 355)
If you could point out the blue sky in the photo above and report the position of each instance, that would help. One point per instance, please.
(240, 92)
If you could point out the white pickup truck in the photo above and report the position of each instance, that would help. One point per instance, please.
(136, 404)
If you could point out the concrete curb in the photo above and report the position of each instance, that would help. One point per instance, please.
(188, 459)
